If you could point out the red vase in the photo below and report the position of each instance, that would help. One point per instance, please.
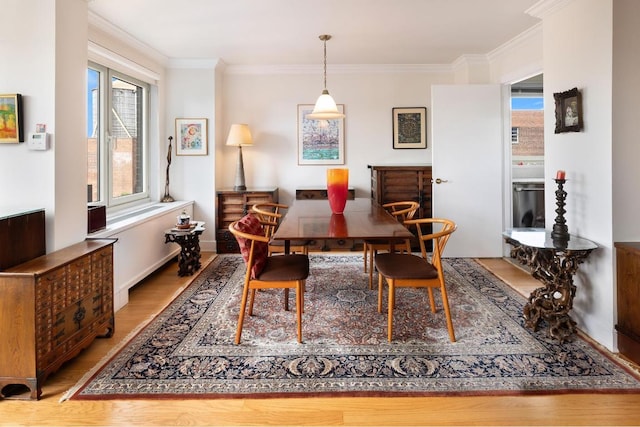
(337, 189)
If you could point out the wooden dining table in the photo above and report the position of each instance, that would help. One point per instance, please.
(362, 219)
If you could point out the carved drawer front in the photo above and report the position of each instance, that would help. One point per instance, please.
(44, 331)
(254, 198)
(44, 294)
(101, 266)
(231, 206)
(55, 280)
(79, 279)
(231, 209)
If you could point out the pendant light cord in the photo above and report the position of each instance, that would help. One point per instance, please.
(324, 38)
(325, 64)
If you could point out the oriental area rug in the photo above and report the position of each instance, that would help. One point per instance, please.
(187, 350)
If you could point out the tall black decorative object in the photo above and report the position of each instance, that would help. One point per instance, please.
(560, 232)
(167, 197)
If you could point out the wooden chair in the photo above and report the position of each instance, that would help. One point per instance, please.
(408, 270)
(271, 213)
(402, 211)
(264, 271)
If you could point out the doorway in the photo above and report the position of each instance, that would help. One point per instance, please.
(527, 153)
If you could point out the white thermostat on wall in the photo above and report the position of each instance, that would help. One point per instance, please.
(37, 141)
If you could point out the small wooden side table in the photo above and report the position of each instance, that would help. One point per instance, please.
(554, 264)
(189, 241)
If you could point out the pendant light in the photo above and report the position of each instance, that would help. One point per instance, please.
(325, 108)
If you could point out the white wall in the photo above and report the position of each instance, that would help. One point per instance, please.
(42, 64)
(578, 53)
(268, 102)
(26, 172)
(191, 94)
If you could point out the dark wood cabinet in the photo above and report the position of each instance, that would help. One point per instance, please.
(628, 299)
(22, 237)
(51, 308)
(402, 182)
(231, 205)
(396, 183)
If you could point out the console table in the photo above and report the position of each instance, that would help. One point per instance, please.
(189, 241)
(554, 264)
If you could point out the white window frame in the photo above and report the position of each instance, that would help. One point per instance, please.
(105, 140)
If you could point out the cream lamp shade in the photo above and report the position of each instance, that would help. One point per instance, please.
(239, 134)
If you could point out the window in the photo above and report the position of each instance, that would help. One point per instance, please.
(117, 129)
(515, 132)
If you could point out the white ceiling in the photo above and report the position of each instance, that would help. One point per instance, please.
(285, 32)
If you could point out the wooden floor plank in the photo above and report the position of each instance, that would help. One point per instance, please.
(155, 292)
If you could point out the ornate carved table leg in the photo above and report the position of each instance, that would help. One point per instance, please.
(189, 257)
(551, 303)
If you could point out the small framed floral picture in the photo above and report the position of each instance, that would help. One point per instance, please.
(191, 135)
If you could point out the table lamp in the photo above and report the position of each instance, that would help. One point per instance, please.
(239, 135)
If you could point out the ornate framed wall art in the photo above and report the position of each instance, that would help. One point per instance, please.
(191, 137)
(409, 127)
(320, 142)
(568, 111)
(11, 122)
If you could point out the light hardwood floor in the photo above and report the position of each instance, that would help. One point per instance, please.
(154, 293)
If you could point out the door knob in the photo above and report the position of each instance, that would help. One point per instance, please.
(440, 181)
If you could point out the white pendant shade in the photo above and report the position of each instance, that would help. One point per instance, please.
(325, 108)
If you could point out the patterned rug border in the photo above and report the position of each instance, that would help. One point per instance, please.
(131, 335)
(74, 392)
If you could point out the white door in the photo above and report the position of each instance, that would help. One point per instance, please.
(468, 168)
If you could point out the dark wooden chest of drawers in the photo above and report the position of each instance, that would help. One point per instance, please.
(231, 205)
(51, 308)
(399, 183)
(404, 183)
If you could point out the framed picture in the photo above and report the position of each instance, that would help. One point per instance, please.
(409, 127)
(320, 142)
(11, 126)
(568, 111)
(191, 135)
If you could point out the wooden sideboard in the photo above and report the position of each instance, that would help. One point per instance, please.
(628, 299)
(399, 183)
(231, 205)
(395, 183)
(51, 308)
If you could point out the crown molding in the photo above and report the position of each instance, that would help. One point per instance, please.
(338, 69)
(195, 63)
(544, 8)
(470, 59)
(97, 22)
(515, 42)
